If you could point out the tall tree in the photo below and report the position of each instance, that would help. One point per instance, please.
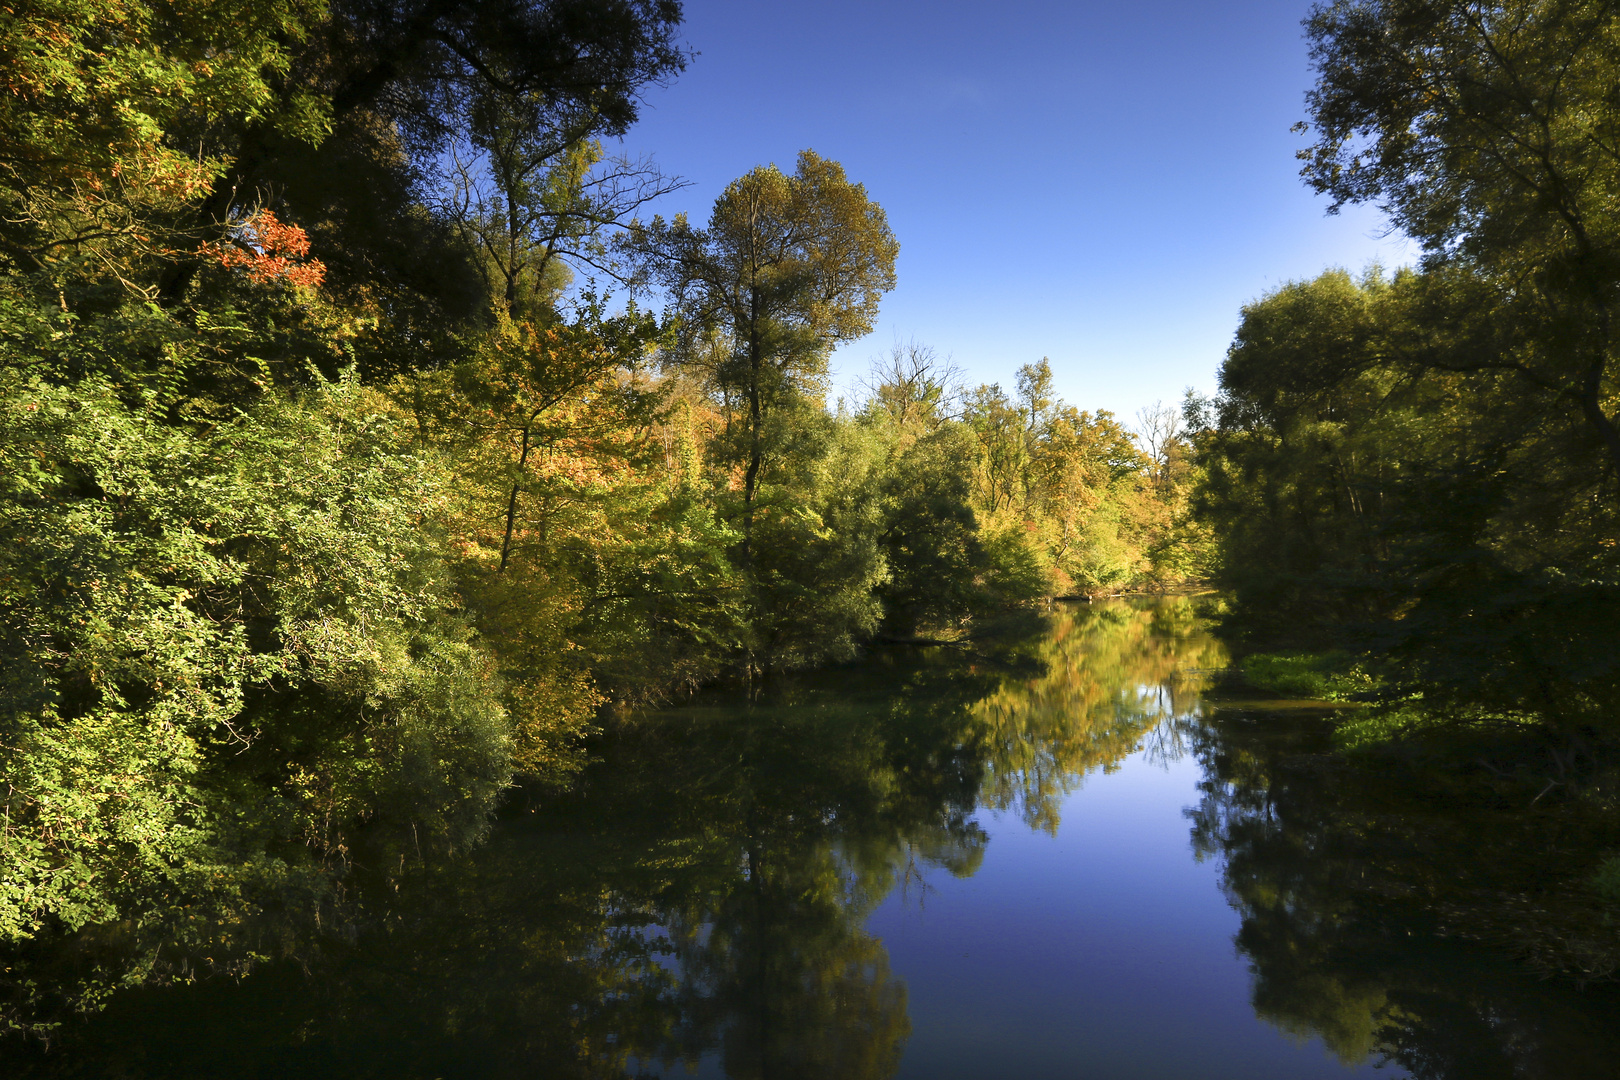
(1489, 132)
(529, 194)
(789, 267)
(401, 78)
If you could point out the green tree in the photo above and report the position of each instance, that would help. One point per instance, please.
(1486, 131)
(788, 267)
(97, 93)
(1455, 529)
(531, 203)
(216, 644)
(930, 536)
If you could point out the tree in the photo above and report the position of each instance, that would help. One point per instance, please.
(94, 89)
(914, 386)
(222, 651)
(1487, 131)
(999, 428)
(236, 620)
(1158, 429)
(931, 535)
(1451, 529)
(398, 79)
(789, 267)
(530, 204)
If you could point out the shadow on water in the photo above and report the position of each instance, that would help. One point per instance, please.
(699, 899)
(1362, 885)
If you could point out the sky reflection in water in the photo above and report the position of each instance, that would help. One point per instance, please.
(1044, 857)
(1087, 940)
(1103, 951)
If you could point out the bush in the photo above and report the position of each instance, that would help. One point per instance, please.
(1330, 676)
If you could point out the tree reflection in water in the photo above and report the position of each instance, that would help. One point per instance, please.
(1359, 888)
(701, 896)
(1112, 677)
(702, 891)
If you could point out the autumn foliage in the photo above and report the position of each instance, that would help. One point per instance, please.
(268, 250)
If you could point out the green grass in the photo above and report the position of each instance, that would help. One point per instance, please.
(1330, 676)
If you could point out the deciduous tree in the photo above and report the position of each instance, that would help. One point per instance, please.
(789, 266)
(1489, 132)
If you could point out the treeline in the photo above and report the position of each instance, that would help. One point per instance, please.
(331, 500)
(1413, 479)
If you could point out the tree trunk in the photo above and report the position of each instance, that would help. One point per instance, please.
(1591, 399)
(756, 437)
(511, 504)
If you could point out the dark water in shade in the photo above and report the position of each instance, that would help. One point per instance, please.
(1058, 856)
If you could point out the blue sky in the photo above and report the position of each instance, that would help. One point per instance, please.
(1103, 184)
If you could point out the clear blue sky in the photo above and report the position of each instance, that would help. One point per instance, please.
(1103, 184)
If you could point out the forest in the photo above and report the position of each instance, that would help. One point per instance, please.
(367, 445)
(350, 475)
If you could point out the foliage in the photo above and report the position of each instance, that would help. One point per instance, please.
(1606, 882)
(703, 892)
(1391, 901)
(1331, 676)
(816, 563)
(158, 586)
(1422, 468)
(1453, 530)
(98, 98)
(1071, 492)
(788, 267)
(931, 539)
(331, 503)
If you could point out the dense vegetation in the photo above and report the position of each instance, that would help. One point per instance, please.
(338, 491)
(1414, 478)
(1434, 454)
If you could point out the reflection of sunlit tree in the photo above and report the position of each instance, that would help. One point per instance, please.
(823, 804)
(1111, 674)
(703, 889)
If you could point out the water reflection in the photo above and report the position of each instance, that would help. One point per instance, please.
(1111, 677)
(702, 895)
(701, 899)
(1360, 890)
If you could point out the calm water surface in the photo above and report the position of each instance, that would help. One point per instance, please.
(1056, 856)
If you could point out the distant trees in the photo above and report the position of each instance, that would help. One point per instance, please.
(1076, 486)
(915, 386)
(1160, 433)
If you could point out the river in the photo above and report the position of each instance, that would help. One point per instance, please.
(1066, 852)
